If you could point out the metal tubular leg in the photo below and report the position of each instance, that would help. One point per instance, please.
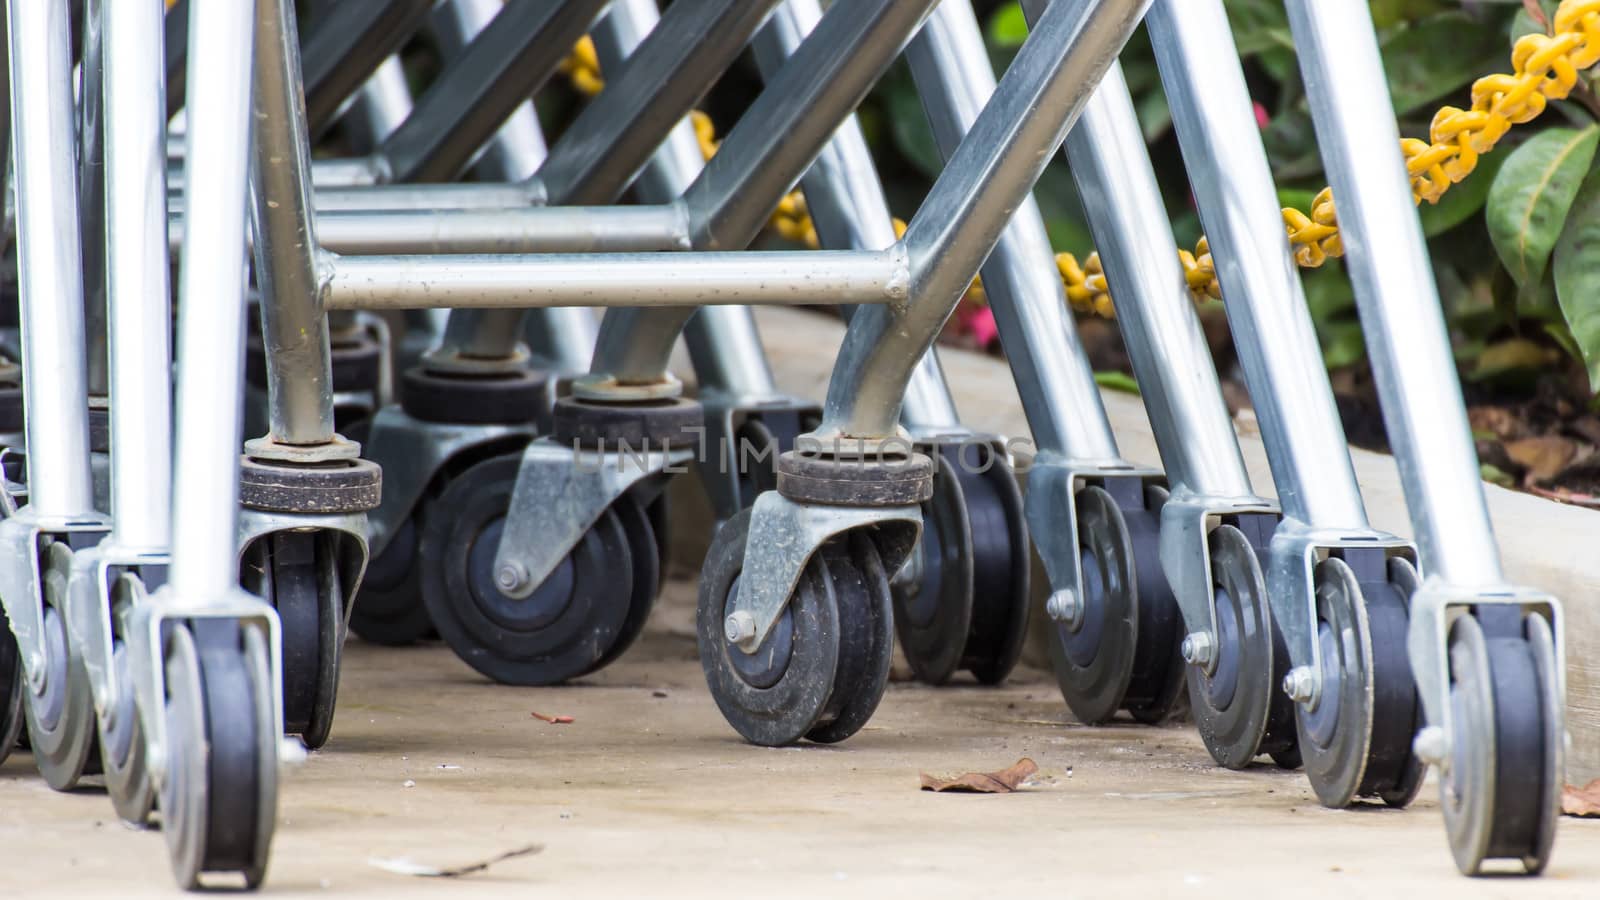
(1056, 385)
(723, 343)
(771, 147)
(92, 194)
(211, 307)
(518, 148)
(610, 141)
(137, 288)
(505, 63)
(175, 31)
(1048, 84)
(1168, 352)
(346, 44)
(293, 327)
(845, 198)
(49, 259)
(1395, 293)
(384, 102)
(1238, 204)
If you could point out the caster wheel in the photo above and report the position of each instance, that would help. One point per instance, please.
(292, 572)
(757, 455)
(61, 720)
(220, 796)
(1155, 694)
(560, 631)
(389, 608)
(1357, 739)
(866, 636)
(11, 689)
(121, 740)
(644, 551)
(966, 604)
(1095, 660)
(659, 512)
(1501, 793)
(822, 671)
(1231, 703)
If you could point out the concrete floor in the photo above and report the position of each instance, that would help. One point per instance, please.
(652, 795)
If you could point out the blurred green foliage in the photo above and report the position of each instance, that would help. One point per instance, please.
(1515, 247)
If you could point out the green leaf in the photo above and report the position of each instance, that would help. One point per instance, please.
(1007, 27)
(1523, 24)
(1460, 202)
(1512, 358)
(1388, 13)
(1258, 25)
(1342, 344)
(1433, 57)
(1495, 475)
(1577, 275)
(1117, 381)
(1531, 195)
(909, 124)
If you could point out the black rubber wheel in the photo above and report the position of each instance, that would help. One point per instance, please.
(1231, 703)
(1357, 739)
(1094, 661)
(659, 513)
(756, 452)
(389, 608)
(1155, 694)
(968, 606)
(933, 610)
(295, 573)
(122, 745)
(775, 696)
(563, 629)
(645, 555)
(61, 719)
(866, 636)
(1501, 794)
(219, 797)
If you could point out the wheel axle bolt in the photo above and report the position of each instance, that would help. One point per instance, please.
(1198, 649)
(739, 627)
(1299, 684)
(1064, 607)
(511, 576)
(1430, 745)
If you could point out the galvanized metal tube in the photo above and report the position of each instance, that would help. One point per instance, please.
(137, 289)
(1395, 292)
(955, 79)
(345, 44)
(211, 307)
(724, 345)
(845, 198)
(49, 260)
(518, 147)
(1072, 46)
(774, 143)
(384, 102)
(92, 194)
(568, 229)
(1154, 309)
(615, 279)
(293, 327)
(1266, 305)
(472, 98)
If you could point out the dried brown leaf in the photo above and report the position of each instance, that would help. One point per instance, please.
(1583, 802)
(1499, 421)
(553, 720)
(1002, 782)
(1544, 457)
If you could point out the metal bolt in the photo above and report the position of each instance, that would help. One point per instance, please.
(1430, 746)
(1198, 648)
(1064, 607)
(739, 627)
(511, 576)
(1299, 684)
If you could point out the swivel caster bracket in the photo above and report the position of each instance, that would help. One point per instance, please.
(1295, 551)
(723, 451)
(1186, 521)
(21, 589)
(411, 451)
(1052, 516)
(89, 614)
(561, 491)
(789, 534)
